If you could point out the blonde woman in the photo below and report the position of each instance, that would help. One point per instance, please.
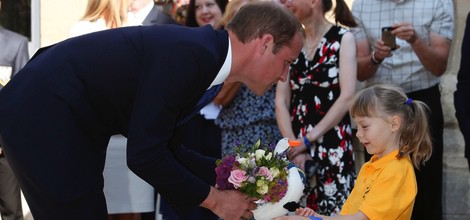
(101, 15)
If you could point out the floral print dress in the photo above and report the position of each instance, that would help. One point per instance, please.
(315, 87)
(246, 119)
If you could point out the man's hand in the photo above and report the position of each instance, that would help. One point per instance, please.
(381, 51)
(230, 204)
(432, 53)
(405, 31)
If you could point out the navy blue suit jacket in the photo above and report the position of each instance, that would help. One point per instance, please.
(462, 105)
(59, 112)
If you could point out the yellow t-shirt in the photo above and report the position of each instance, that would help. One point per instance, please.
(385, 189)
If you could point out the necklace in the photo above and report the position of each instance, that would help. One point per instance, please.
(311, 48)
(310, 52)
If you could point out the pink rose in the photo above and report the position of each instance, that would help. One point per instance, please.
(264, 171)
(237, 177)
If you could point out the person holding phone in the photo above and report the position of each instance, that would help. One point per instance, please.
(423, 30)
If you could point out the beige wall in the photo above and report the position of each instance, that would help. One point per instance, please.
(57, 17)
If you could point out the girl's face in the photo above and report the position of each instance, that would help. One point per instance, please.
(207, 12)
(378, 135)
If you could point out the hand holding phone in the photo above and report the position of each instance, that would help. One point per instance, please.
(388, 38)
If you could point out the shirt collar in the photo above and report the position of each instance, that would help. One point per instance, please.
(139, 17)
(225, 70)
(381, 162)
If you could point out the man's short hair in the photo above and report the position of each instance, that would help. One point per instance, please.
(254, 20)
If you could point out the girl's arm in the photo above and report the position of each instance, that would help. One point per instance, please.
(282, 105)
(308, 214)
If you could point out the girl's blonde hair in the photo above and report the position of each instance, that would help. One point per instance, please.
(114, 12)
(382, 100)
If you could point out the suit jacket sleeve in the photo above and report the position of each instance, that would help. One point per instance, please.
(462, 105)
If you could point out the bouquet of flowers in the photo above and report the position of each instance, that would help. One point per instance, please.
(265, 173)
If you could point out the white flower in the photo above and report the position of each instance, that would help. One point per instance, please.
(259, 154)
(243, 161)
(274, 171)
(251, 179)
(269, 156)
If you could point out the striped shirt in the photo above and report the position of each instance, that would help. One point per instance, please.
(404, 68)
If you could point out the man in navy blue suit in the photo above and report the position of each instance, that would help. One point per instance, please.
(461, 103)
(143, 82)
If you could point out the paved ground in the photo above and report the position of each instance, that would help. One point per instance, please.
(28, 216)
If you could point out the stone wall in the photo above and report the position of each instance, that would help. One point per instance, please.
(456, 172)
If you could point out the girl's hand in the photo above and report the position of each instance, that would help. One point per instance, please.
(294, 151)
(306, 212)
(300, 159)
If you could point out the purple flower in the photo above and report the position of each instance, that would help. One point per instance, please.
(223, 172)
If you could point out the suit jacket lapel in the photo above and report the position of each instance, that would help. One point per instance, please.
(208, 96)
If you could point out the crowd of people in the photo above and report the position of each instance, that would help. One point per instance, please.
(151, 106)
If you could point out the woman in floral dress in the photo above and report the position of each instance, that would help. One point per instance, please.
(247, 119)
(313, 104)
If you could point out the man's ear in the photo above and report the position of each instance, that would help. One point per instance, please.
(396, 123)
(267, 41)
(315, 2)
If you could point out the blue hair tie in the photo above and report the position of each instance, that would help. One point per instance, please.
(409, 101)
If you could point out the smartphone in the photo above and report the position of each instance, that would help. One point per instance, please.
(388, 38)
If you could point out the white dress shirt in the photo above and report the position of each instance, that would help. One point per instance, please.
(211, 110)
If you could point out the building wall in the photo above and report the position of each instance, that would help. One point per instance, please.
(57, 17)
(456, 173)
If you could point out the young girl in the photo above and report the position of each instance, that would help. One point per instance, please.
(394, 129)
